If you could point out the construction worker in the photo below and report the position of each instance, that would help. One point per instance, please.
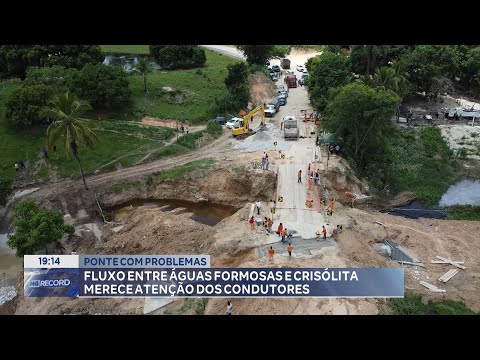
(324, 232)
(280, 229)
(271, 252)
(330, 207)
(229, 308)
(289, 249)
(310, 183)
(284, 234)
(269, 225)
(252, 223)
(299, 176)
(258, 205)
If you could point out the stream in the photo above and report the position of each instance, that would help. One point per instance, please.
(203, 213)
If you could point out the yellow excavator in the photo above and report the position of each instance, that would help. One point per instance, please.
(243, 130)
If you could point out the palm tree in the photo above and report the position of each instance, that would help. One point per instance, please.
(144, 68)
(66, 111)
(392, 78)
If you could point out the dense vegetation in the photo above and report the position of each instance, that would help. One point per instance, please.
(412, 304)
(238, 89)
(178, 56)
(360, 110)
(35, 228)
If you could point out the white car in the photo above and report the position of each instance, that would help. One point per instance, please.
(270, 110)
(233, 123)
(300, 68)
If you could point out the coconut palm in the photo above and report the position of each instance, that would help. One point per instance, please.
(66, 110)
(144, 68)
(392, 78)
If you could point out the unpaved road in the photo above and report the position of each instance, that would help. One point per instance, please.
(227, 50)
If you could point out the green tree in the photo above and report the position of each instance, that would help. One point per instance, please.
(144, 68)
(101, 85)
(258, 54)
(238, 89)
(35, 228)
(5, 189)
(365, 59)
(66, 111)
(237, 82)
(58, 77)
(362, 118)
(178, 56)
(327, 71)
(23, 107)
(392, 78)
(15, 59)
(471, 70)
(427, 62)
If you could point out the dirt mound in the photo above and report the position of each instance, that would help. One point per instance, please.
(402, 199)
(262, 89)
(220, 186)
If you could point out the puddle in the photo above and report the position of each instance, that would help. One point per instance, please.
(203, 213)
(464, 192)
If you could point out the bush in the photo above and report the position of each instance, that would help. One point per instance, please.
(24, 104)
(35, 228)
(464, 212)
(412, 304)
(178, 56)
(102, 85)
(5, 189)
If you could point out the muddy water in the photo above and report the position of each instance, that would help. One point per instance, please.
(9, 263)
(204, 213)
(464, 192)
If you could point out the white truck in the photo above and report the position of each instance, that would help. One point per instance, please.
(290, 127)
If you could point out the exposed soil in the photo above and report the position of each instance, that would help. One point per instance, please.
(233, 181)
(261, 88)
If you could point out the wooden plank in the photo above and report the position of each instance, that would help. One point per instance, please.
(379, 223)
(445, 262)
(451, 262)
(448, 275)
(431, 287)
(410, 263)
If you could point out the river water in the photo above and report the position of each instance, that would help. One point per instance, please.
(464, 192)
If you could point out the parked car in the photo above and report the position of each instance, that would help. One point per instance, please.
(276, 68)
(275, 103)
(267, 63)
(219, 120)
(270, 110)
(282, 93)
(300, 68)
(274, 77)
(281, 87)
(282, 100)
(301, 81)
(233, 123)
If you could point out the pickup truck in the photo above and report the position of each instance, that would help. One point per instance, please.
(270, 110)
(290, 127)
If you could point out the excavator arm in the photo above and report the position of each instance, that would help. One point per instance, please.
(244, 129)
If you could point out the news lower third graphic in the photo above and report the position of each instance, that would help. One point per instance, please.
(100, 276)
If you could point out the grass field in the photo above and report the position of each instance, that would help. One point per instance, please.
(125, 49)
(194, 92)
(16, 145)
